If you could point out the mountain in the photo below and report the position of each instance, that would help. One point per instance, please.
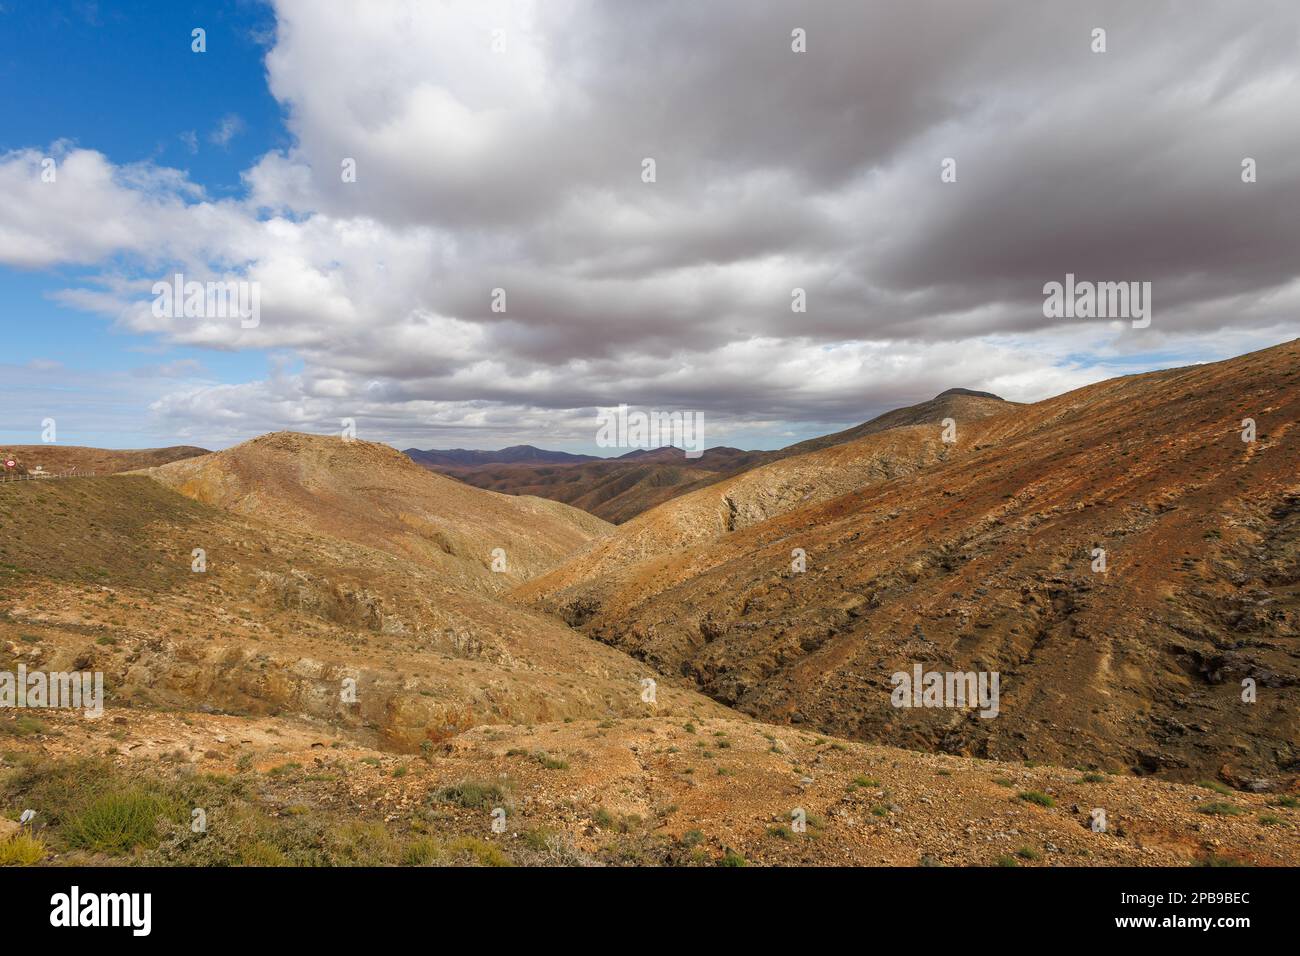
(979, 556)
(374, 495)
(515, 454)
(619, 489)
(956, 403)
(612, 491)
(100, 573)
(338, 677)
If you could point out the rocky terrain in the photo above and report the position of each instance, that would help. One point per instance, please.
(979, 555)
(717, 791)
(305, 638)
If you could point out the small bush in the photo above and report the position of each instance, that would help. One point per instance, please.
(473, 795)
(117, 823)
(422, 851)
(478, 852)
(262, 853)
(1037, 797)
(21, 849)
(22, 727)
(1218, 809)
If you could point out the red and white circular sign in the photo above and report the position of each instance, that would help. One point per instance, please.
(9, 463)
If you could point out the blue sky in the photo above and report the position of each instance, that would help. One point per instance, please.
(121, 78)
(500, 144)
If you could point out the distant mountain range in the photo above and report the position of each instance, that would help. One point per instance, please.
(514, 455)
(621, 488)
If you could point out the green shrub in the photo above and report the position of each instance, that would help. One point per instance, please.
(478, 852)
(473, 795)
(422, 851)
(117, 823)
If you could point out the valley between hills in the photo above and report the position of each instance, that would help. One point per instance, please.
(342, 654)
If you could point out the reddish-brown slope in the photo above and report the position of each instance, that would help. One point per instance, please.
(983, 561)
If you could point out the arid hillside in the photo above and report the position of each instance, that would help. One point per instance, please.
(57, 459)
(617, 792)
(286, 643)
(102, 574)
(610, 569)
(955, 403)
(616, 491)
(979, 556)
(374, 495)
(619, 489)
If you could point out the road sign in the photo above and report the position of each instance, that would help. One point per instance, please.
(10, 463)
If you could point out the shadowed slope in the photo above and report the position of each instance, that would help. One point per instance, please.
(982, 560)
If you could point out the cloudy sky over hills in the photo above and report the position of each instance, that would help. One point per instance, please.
(501, 145)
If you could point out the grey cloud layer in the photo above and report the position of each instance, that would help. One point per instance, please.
(521, 169)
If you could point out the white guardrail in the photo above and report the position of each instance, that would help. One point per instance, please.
(47, 474)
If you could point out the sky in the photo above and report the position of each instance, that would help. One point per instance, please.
(446, 212)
